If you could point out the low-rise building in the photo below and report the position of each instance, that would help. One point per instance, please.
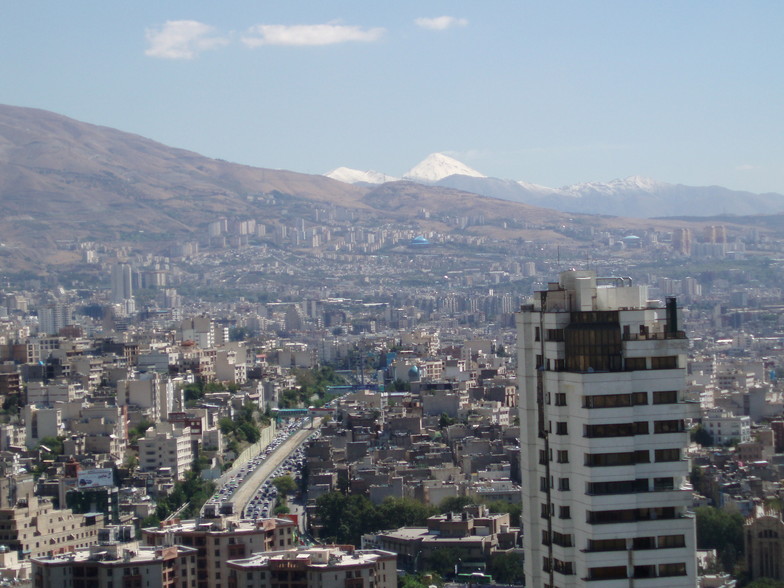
(316, 567)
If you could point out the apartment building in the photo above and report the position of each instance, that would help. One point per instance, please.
(605, 482)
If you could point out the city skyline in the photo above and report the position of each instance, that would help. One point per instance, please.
(552, 95)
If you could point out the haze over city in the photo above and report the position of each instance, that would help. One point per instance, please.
(372, 295)
(552, 94)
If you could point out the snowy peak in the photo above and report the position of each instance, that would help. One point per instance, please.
(438, 166)
(618, 186)
(355, 176)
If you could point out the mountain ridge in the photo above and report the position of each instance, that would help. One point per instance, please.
(633, 196)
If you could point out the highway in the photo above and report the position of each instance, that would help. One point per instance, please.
(251, 484)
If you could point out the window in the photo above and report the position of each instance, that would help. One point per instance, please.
(545, 537)
(619, 487)
(560, 399)
(663, 484)
(561, 428)
(555, 334)
(646, 571)
(563, 567)
(593, 342)
(667, 455)
(563, 484)
(671, 541)
(615, 400)
(665, 397)
(545, 511)
(668, 362)
(593, 460)
(674, 426)
(563, 456)
(607, 573)
(601, 517)
(606, 544)
(543, 484)
(672, 569)
(639, 543)
(617, 430)
(565, 512)
(562, 539)
(634, 364)
(542, 457)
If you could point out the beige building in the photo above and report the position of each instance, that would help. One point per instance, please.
(166, 445)
(117, 565)
(219, 540)
(475, 533)
(316, 567)
(41, 422)
(37, 529)
(764, 538)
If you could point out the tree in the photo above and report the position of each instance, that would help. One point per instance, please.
(700, 435)
(444, 561)
(404, 512)
(455, 503)
(345, 518)
(54, 445)
(514, 509)
(720, 530)
(285, 484)
(507, 567)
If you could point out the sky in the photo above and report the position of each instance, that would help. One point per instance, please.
(553, 93)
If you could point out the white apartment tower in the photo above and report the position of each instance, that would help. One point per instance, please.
(605, 483)
(122, 282)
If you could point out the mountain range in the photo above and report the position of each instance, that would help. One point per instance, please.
(64, 182)
(634, 196)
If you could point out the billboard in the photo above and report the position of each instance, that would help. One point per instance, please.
(95, 478)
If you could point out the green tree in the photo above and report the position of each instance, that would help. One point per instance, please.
(285, 484)
(723, 531)
(444, 561)
(765, 583)
(54, 446)
(345, 518)
(700, 435)
(507, 567)
(404, 512)
(502, 506)
(455, 503)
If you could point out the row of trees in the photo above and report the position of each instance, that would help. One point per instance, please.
(311, 387)
(345, 518)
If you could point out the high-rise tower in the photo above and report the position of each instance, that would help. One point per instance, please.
(122, 282)
(605, 482)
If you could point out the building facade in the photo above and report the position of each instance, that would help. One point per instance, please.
(605, 483)
(316, 567)
(764, 539)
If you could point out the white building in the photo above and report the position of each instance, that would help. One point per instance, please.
(122, 282)
(725, 427)
(166, 446)
(605, 482)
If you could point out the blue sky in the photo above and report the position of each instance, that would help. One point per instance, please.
(553, 93)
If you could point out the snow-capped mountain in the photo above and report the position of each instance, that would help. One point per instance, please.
(355, 176)
(438, 166)
(634, 196)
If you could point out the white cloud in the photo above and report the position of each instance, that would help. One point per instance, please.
(181, 39)
(320, 34)
(440, 23)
